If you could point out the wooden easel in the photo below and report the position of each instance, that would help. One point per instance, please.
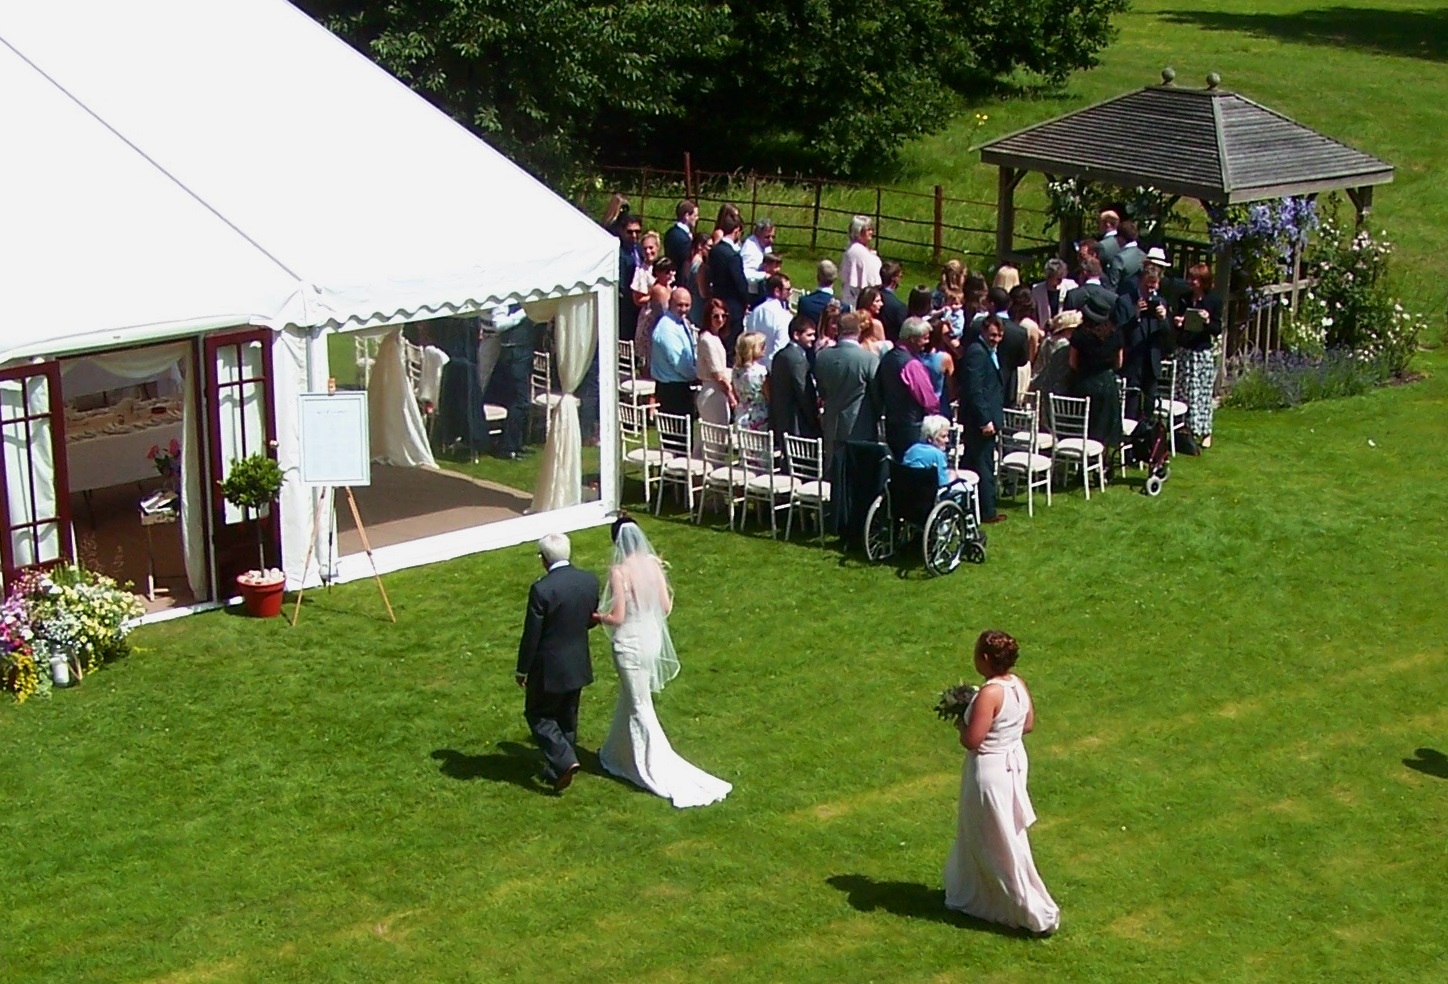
(331, 493)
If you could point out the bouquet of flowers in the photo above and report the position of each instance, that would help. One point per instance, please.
(167, 460)
(954, 702)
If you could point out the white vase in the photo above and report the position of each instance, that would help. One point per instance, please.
(60, 670)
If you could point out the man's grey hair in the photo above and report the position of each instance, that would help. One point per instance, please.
(826, 273)
(763, 225)
(1057, 266)
(554, 547)
(913, 328)
(932, 427)
(859, 224)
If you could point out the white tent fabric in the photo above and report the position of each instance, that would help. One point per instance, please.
(560, 480)
(319, 191)
(395, 427)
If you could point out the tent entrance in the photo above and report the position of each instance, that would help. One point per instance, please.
(240, 421)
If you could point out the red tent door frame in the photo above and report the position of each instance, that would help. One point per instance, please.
(26, 425)
(240, 421)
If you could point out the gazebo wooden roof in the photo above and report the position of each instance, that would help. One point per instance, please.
(1210, 144)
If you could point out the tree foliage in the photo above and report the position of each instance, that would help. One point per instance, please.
(561, 85)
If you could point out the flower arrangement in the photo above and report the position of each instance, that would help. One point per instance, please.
(1152, 209)
(1265, 239)
(67, 612)
(167, 460)
(954, 702)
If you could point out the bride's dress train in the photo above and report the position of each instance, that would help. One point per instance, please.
(637, 748)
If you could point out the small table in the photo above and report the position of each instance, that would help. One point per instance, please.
(155, 513)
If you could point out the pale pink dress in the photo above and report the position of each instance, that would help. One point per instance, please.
(990, 873)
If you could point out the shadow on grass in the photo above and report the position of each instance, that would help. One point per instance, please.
(1421, 33)
(512, 763)
(1428, 761)
(912, 901)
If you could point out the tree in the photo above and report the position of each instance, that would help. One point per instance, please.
(562, 85)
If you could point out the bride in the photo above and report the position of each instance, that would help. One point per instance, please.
(636, 608)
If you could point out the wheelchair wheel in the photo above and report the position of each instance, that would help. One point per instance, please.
(975, 552)
(944, 537)
(1153, 485)
(879, 531)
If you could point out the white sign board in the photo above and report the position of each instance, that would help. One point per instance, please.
(336, 448)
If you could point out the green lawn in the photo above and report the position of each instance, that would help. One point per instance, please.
(1235, 682)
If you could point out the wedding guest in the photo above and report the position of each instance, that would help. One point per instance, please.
(726, 275)
(1126, 264)
(828, 330)
(696, 276)
(952, 313)
(1022, 310)
(1108, 243)
(643, 277)
(679, 239)
(928, 451)
(860, 266)
(990, 873)
(1087, 249)
(1053, 361)
(1050, 294)
(977, 301)
(872, 331)
(939, 360)
(843, 374)
(811, 305)
(893, 311)
(727, 210)
(715, 399)
(903, 388)
(773, 266)
(1015, 347)
(1091, 286)
(981, 410)
(952, 278)
(617, 205)
(1141, 315)
(751, 382)
(1096, 352)
(652, 311)
(760, 241)
(1198, 322)
(771, 317)
(630, 228)
(671, 359)
(794, 404)
(1007, 278)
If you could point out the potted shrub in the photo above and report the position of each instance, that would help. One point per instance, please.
(253, 484)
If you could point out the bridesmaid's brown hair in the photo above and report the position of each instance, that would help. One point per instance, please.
(998, 649)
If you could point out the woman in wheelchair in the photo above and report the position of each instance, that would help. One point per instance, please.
(929, 452)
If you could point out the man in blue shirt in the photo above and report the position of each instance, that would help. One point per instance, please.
(671, 357)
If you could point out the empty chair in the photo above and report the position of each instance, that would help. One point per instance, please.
(810, 492)
(723, 474)
(764, 485)
(1072, 448)
(1021, 458)
(955, 454)
(1031, 400)
(1170, 410)
(541, 397)
(630, 388)
(680, 466)
(633, 434)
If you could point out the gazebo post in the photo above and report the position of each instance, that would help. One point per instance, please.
(1222, 286)
(1362, 203)
(1006, 212)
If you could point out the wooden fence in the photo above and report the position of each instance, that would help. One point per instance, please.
(814, 214)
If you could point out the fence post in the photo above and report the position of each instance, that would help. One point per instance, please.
(644, 196)
(814, 226)
(939, 221)
(688, 175)
(879, 193)
(753, 200)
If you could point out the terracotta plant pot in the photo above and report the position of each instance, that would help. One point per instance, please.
(262, 599)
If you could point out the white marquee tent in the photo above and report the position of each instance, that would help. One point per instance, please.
(176, 168)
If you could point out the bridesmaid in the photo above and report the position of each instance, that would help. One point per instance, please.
(990, 873)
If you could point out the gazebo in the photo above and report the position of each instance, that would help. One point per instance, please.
(1212, 145)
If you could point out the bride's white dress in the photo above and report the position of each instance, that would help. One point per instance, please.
(637, 748)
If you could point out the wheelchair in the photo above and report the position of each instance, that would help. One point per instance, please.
(913, 507)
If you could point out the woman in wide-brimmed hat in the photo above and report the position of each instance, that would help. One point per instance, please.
(1096, 349)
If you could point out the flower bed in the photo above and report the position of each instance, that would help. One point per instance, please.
(67, 612)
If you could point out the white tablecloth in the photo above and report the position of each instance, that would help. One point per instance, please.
(116, 459)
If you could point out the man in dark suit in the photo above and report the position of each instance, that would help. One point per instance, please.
(629, 228)
(726, 278)
(679, 240)
(553, 659)
(1091, 286)
(843, 373)
(794, 406)
(1014, 350)
(895, 311)
(813, 304)
(982, 403)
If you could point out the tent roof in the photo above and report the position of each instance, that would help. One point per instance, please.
(179, 165)
(1209, 144)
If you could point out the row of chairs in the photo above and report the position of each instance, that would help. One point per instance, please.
(738, 466)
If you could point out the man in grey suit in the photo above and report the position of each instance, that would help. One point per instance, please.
(1126, 264)
(843, 374)
(1108, 236)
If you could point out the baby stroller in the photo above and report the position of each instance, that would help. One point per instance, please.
(913, 508)
(1151, 448)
